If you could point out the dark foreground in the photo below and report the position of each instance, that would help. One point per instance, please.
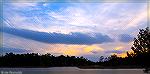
(69, 70)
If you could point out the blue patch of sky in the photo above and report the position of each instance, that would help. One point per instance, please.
(40, 11)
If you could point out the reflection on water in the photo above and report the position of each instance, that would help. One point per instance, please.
(70, 70)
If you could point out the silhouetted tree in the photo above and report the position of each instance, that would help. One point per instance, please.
(141, 48)
(101, 59)
(142, 42)
(36, 60)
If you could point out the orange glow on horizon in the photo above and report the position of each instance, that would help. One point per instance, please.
(123, 55)
(73, 50)
(118, 48)
(92, 48)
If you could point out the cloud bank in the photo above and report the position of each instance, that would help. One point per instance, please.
(126, 38)
(58, 38)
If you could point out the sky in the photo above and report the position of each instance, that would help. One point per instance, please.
(89, 29)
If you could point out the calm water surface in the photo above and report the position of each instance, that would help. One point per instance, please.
(69, 70)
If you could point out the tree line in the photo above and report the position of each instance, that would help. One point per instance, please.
(46, 60)
(139, 58)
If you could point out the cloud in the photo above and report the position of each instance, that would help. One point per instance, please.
(12, 41)
(114, 51)
(111, 18)
(123, 54)
(16, 42)
(142, 16)
(23, 5)
(14, 50)
(72, 52)
(125, 38)
(92, 52)
(93, 49)
(79, 1)
(118, 48)
(58, 38)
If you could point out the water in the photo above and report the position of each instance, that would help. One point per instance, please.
(68, 70)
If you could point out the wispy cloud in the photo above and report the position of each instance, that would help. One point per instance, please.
(76, 17)
(23, 5)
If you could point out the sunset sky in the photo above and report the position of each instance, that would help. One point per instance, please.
(72, 28)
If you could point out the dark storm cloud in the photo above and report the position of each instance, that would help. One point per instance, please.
(58, 38)
(125, 38)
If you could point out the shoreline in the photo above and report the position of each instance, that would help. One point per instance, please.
(87, 67)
